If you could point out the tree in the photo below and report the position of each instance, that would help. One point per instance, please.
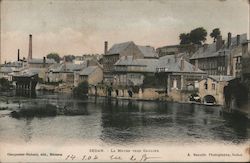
(4, 84)
(215, 33)
(198, 36)
(185, 38)
(69, 58)
(54, 56)
(81, 90)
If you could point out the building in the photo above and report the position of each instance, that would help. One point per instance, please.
(220, 58)
(63, 72)
(211, 89)
(132, 72)
(177, 74)
(40, 63)
(117, 51)
(176, 49)
(91, 74)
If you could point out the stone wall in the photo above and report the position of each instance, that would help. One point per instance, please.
(145, 94)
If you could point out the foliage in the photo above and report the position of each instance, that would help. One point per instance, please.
(48, 111)
(135, 89)
(81, 90)
(4, 84)
(196, 36)
(54, 56)
(69, 58)
(185, 38)
(215, 33)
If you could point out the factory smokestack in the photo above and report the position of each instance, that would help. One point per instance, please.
(30, 47)
(18, 55)
(105, 47)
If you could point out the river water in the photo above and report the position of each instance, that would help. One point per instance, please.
(121, 122)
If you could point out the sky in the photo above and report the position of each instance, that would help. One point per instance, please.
(81, 26)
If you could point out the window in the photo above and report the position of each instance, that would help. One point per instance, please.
(205, 85)
(213, 86)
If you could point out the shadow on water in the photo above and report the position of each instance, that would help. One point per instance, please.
(128, 121)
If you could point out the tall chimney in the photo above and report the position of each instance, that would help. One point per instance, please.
(218, 42)
(196, 66)
(18, 55)
(238, 40)
(105, 47)
(44, 61)
(30, 47)
(182, 64)
(229, 38)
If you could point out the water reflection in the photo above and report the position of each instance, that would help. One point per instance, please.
(115, 121)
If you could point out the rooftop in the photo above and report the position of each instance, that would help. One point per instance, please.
(210, 50)
(88, 70)
(147, 51)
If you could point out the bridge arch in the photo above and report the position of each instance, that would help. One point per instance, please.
(209, 99)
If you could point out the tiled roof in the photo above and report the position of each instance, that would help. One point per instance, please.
(66, 67)
(6, 69)
(118, 48)
(210, 50)
(147, 51)
(221, 77)
(149, 64)
(170, 64)
(88, 70)
(40, 61)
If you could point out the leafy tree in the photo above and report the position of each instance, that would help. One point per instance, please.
(69, 58)
(198, 35)
(215, 33)
(81, 90)
(185, 38)
(4, 84)
(54, 56)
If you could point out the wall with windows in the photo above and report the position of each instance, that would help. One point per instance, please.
(214, 88)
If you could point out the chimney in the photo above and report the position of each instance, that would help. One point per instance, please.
(175, 58)
(182, 64)
(196, 66)
(218, 42)
(30, 47)
(18, 55)
(229, 38)
(88, 63)
(105, 47)
(238, 40)
(44, 61)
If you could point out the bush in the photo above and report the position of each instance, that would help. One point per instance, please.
(81, 90)
(4, 84)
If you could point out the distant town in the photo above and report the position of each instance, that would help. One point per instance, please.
(189, 72)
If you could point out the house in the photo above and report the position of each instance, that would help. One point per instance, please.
(220, 58)
(176, 49)
(63, 72)
(177, 74)
(40, 63)
(117, 51)
(7, 70)
(91, 74)
(211, 89)
(132, 72)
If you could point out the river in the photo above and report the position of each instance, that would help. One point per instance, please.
(121, 122)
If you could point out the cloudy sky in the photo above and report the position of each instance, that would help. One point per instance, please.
(81, 26)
